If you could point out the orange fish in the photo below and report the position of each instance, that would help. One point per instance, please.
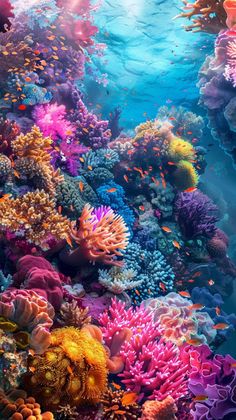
(81, 159)
(137, 292)
(211, 282)
(172, 118)
(17, 175)
(162, 287)
(155, 180)
(184, 294)
(176, 244)
(163, 183)
(189, 132)
(197, 274)
(194, 342)
(218, 310)
(111, 190)
(28, 79)
(90, 168)
(221, 326)
(130, 152)
(142, 208)
(171, 163)
(126, 178)
(129, 398)
(69, 370)
(81, 186)
(191, 189)
(166, 229)
(196, 306)
(59, 209)
(116, 386)
(68, 240)
(32, 369)
(31, 352)
(22, 107)
(200, 398)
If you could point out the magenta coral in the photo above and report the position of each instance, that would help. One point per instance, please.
(31, 313)
(52, 122)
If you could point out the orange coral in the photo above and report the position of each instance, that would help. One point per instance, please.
(159, 410)
(102, 234)
(34, 216)
(33, 153)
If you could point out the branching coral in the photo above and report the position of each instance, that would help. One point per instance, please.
(102, 235)
(34, 217)
(75, 369)
(31, 313)
(118, 280)
(210, 15)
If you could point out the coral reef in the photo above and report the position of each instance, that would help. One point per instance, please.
(154, 410)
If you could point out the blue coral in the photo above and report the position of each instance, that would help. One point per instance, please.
(5, 281)
(152, 269)
(103, 158)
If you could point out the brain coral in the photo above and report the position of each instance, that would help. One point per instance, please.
(180, 323)
(75, 369)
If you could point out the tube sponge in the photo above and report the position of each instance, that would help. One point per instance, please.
(180, 150)
(185, 175)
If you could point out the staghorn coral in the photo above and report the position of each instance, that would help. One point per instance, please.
(179, 322)
(207, 15)
(31, 312)
(117, 280)
(113, 408)
(102, 235)
(185, 176)
(34, 217)
(71, 315)
(75, 369)
(15, 405)
(159, 410)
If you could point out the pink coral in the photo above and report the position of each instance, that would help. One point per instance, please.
(159, 410)
(38, 274)
(102, 235)
(31, 313)
(80, 31)
(51, 120)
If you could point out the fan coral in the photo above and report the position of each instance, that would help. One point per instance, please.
(180, 149)
(178, 321)
(117, 280)
(76, 369)
(89, 130)
(52, 122)
(73, 316)
(113, 408)
(210, 15)
(34, 217)
(185, 176)
(159, 410)
(31, 313)
(212, 376)
(102, 235)
(15, 405)
(196, 214)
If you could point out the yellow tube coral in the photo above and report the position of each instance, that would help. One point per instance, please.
(185, 175)
(180, 149)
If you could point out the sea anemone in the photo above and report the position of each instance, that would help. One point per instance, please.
(185, 176)
(180, 149)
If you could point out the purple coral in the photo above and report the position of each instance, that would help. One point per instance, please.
(52, 122)
(213, 376)
(89, 129)
(196, 214)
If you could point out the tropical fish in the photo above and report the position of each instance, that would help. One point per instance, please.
(129, 398)
(221, 326)
(116, 386)
(90, 168)
(191, 189)
(196, 306)
(218, 310)
(176, 244)
(162, 287)
(142, 208)
(111, 190)
(81, 186)
(126, 178)
(211, 282)
(166, 229)
(184, 294)
(194, 342)
(22, 107)
(200, 398)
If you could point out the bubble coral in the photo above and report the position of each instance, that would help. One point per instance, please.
(75, 369)
(101, 235)
(15, 405)
(34, 217)
(31, 313)
(185, 176)
(113, 408)
(159, 410)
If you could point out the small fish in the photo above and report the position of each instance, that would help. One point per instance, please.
(221, 326)
(81, 159)
(31, 352)
(81, 186)
(194, 342)
(22, 107)
(189, 132)
(184, 294)
(129, 398)
(155, 180)
(142, 208)
(162, 287)
(90, 168)
(172, 118)
(176, 244)
(196, 306)
(211, 282)
(121, 412)
(114, 407)
(36, 52)
(17, 175)
(70, 370)
(137, 292)
(59, 209)
(32, 369)
(126, 178)
(112, 190)
(163, 183)
(200, 398)
(116, 386)
(171, 163)
(197, 274)
(166, 229)
(191, 189)
(218, 310)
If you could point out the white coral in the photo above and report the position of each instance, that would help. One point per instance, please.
(117, 279)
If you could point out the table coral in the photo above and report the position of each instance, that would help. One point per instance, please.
(102, 235)
(34, 217)
(76, 369)
(31, 313)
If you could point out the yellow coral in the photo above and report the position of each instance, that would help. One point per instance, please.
(185, 175)
(72, 370)
(34, 214)
(180, 149)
